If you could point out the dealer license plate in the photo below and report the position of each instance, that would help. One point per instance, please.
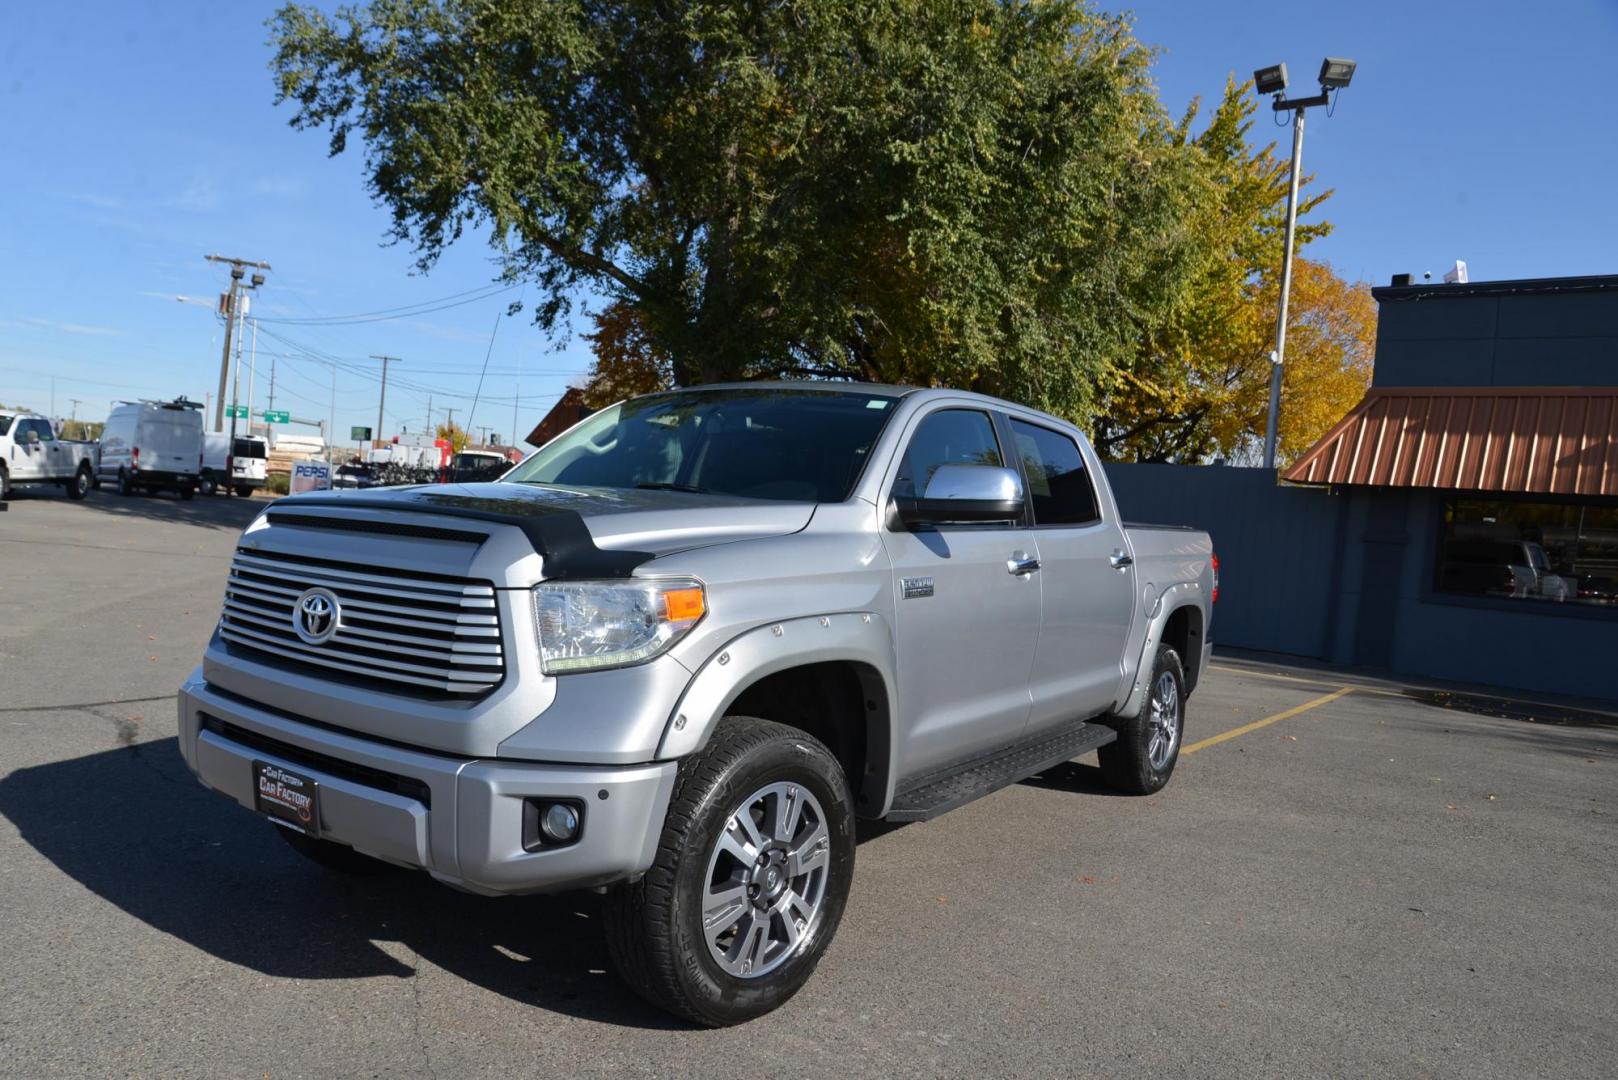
(286, 797)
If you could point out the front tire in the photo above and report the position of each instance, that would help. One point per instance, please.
(750, 879)
(1141, 761)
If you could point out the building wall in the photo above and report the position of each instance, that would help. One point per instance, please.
(1499, 334)
(1346, 576)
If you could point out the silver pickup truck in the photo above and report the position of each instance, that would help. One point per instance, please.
(675, 653)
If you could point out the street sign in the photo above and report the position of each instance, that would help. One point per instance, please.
(237, 411)
(360, 434)
(275, 417)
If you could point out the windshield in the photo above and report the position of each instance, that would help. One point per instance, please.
(769, 443)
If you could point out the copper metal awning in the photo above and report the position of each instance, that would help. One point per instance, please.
(1551, 440)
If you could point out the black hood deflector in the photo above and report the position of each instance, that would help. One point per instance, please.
(557, 534)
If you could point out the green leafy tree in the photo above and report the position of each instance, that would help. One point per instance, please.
(981, 193)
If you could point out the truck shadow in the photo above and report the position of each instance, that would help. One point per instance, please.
(225, 512)
(133, 826)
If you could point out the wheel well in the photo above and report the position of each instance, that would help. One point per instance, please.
(1183, 634)
(842, 703)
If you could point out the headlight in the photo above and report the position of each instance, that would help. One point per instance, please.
(584, 625)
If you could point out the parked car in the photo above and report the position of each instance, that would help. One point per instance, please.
(353, 474)
(678, 650)
(30, 453)
(1518, 569)
(240, 465)
(150, 446)
(477, 466)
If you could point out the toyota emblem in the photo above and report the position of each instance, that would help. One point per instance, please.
(315, 616)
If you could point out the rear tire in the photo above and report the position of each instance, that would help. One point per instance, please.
(207, 485)
(79, 486)
(125, 487)
(1148, 746)
(243, 492)
(5, 483)
(750, 879)
(333, 856)
(187, 493)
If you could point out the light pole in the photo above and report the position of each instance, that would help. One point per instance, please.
(1335, 73)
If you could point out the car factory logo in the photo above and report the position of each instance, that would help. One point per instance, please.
(315, 616)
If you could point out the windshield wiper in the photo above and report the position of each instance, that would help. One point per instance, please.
(672, 487)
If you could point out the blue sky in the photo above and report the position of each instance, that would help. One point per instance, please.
(140, 137)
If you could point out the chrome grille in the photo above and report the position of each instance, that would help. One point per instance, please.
(436, 632)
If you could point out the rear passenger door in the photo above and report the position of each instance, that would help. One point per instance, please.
(1089, 588)
(966, 624)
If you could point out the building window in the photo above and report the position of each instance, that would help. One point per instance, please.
(1538, 551)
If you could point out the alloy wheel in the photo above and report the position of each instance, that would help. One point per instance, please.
(766, 880)
(1164, 721)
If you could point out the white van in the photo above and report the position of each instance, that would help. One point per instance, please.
(152, 446)
(242, 466)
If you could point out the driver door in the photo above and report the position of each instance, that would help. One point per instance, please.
(28, 462)
(966, 625)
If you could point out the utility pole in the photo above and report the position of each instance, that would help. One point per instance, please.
(382, 400)
(430, 416)
(238, 270)
(252, 369)
(242, 304)
(75, 402)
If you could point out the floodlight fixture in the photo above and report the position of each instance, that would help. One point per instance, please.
(1336, 73)
(258, 279)
(1270, 80)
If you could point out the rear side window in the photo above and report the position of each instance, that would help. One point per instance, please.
(946, 437)
(1058, 483)
(5, 424)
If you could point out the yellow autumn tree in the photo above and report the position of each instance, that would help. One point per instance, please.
(454, 435)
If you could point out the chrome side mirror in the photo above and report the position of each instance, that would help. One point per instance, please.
(963, 495)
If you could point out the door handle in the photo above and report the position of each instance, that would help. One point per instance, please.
(1121, 559)
(1020, 564)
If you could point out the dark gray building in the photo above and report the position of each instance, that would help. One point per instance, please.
(1461, 522)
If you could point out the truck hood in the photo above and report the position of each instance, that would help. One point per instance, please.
(619, 519)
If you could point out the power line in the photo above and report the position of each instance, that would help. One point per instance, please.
(424, 307)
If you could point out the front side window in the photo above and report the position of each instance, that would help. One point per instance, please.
(780, 443)
(1544, 551)
(1058, 483)
(946, 437)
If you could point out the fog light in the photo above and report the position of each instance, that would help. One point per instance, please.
(560, 823)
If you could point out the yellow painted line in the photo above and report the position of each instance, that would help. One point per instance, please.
(1215, 740)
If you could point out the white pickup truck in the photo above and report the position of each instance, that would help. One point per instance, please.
(30, 453)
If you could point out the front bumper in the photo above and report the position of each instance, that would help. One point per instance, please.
(459, 819)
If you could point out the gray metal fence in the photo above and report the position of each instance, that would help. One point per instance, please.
(1280, 548)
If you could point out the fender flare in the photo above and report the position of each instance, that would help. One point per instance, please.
(1185, 594)
(860, 637)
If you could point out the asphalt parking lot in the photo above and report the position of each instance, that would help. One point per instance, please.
(1356, 881)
